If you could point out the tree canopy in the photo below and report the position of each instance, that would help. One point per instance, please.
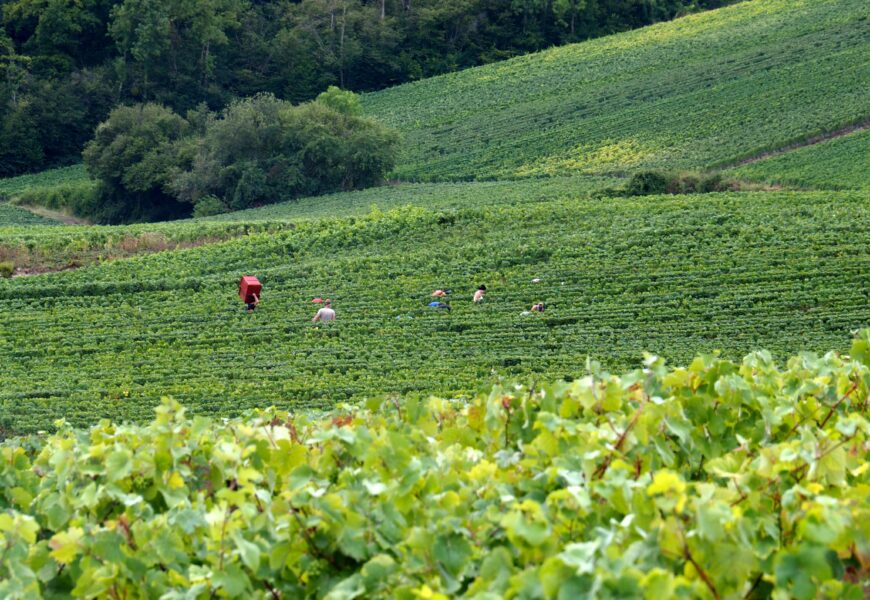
(153, 163)
(64, 65)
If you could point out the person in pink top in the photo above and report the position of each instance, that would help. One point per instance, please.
(479, 294)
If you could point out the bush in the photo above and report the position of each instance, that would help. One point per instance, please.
(134, 155)
(153, 164)
(208, 206)
(654, 182)
(6, 269)
(714, 183)
(683, 183)
(263, 150)
(343, 101)
(646, 183)
(79, 199)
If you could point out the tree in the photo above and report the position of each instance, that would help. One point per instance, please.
(263, 150)
(60, 34)
(134, 154)
(342, 101)
(167, 46)
(20, 149)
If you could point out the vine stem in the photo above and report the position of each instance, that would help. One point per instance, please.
(754, 585)
(837, 403)
(801, 468)
(700, 570)
(275, 593)
(600, 471)
(309, 541)
(223, 535)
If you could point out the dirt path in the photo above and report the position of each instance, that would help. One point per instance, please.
(55, 215)
(816, 139)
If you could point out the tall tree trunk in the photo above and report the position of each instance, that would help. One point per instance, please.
(205, 53)
(341, 46)
(383, 9)
(573, 17)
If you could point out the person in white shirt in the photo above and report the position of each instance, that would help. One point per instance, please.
(325, 314)
(478, 295)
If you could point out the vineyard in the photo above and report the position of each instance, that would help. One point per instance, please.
(839, 163)
(718, 480)
(674, 275)
(698, 92)
(14, 216)
(39, 249)
(486, 451)
(11, 187)
(57, 247)
(442, 196)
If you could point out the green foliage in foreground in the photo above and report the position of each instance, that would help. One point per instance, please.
(838, 163)
(14, 216)
(672, 275)
(693, 93)
(719, 480)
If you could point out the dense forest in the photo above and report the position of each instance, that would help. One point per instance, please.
(65, 64)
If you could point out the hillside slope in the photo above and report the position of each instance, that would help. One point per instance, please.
(693, 93)
(16, 216)
(671, 275)
(839, 163)
(12, 187)
(38, 249)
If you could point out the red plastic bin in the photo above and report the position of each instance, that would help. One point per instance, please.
(248, 286)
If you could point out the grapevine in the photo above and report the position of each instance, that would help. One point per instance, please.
(716, 480)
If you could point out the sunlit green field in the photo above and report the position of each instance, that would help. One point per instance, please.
(695, 93)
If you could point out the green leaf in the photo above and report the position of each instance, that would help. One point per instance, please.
(527, 522)
(580, 556)
(232, 580)
(65, 545)
(347, 589)
(248, 551)
(119, 464)
(452, 551)
(377, 570)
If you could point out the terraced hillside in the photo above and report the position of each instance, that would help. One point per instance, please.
(697, 92)
(672, 275)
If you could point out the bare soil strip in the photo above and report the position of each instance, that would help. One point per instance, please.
(55, 215)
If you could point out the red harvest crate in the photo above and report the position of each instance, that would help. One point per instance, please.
(248, 286)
